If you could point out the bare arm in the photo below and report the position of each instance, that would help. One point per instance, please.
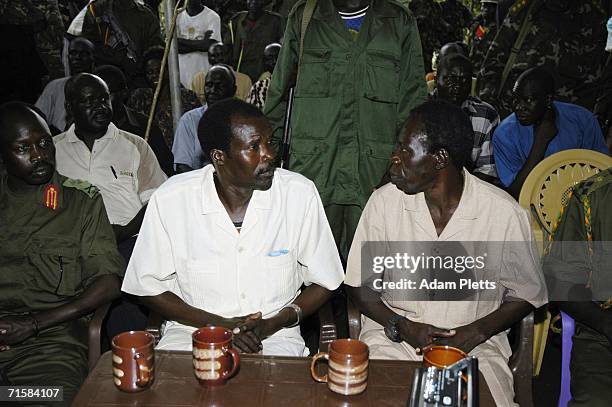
(125, 232)
(544, 132)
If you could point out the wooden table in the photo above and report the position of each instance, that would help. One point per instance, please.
(261, 381)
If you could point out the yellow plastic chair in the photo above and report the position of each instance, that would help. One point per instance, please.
(544, 192)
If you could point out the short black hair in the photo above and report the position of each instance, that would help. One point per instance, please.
(72, 86)
(452, 59)
(214, 128)
(114, 78)
(540, 76)
(10, 111)
(447, 127)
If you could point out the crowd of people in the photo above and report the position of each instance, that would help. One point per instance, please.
(392, 120)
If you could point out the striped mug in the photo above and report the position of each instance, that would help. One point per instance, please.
(214, 360)
(348, 366)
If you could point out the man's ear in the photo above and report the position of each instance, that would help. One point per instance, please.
(549, 100)
(235, 89)
(442, 159)
(68, 108)
(217, 156)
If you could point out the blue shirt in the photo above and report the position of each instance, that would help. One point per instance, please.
(186, 147)
(512, 141)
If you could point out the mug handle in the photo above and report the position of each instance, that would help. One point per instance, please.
(315, 359)
(144, 373)
(235, 363)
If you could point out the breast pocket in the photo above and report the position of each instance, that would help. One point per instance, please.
(314, 73)
(203, 289)
(56, 260)
(382, 77)
(281, 278)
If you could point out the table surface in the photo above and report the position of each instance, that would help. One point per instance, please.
(261, 381)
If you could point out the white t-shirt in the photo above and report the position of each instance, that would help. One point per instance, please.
(189, 246)
(193, 28)
(121, 165)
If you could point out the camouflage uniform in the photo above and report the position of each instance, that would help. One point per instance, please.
(46, 21)
(480, 38)
(569, 44)
(439, 22)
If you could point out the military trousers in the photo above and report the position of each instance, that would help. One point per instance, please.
(57, 357)
(343, 220)
(591, 368)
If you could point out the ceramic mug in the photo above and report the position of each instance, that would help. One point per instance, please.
(442, 356)
(348, 361)
(214, 360)
(133, 361)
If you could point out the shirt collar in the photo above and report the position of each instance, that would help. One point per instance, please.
(210, 199)
(111, 134)
(468, 204)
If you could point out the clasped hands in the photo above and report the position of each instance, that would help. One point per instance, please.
(421, 336)
(249, 331)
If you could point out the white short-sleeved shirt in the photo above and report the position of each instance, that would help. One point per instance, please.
(193, 28)
(485, 213)
(188, 245)
(122, 165)
(51, 103)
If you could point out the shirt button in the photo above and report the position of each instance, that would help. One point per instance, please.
(240, 249)
(243, 296)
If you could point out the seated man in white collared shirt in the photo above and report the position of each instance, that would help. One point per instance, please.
(122, 165)
(232, 243)
(433, 199)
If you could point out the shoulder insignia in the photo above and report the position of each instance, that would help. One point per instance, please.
(51, 196)
(83, 186)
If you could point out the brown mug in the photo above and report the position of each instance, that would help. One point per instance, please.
(133, 361)
(348, 366)
(214, 360)
(442, 356)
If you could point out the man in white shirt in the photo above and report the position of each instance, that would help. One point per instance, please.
(120, 164)
(51, 101)
(220, 84)
(433, 199)
(197, 28)
(232, 243)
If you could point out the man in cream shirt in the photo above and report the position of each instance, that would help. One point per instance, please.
(232, 243)
(432, 198)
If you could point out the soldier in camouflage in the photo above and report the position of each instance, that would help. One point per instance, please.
(566, 37)
(482, 32)
(46, 21)
(439, 22)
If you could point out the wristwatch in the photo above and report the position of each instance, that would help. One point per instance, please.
(392, 329)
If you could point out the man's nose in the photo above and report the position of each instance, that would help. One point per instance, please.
(36, 154)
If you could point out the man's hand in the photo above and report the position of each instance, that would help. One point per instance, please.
(420, 335)
(248, 333)
(466, 338)
(208, 34)
(15, 329)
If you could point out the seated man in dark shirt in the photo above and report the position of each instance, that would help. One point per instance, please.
(58, 259)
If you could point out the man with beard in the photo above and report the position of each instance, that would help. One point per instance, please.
(231, 244)
(220, 84)
(432, 199)
(540, 126)
(51, 101)
(58, 259)
(453, 84)
(122, 165)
